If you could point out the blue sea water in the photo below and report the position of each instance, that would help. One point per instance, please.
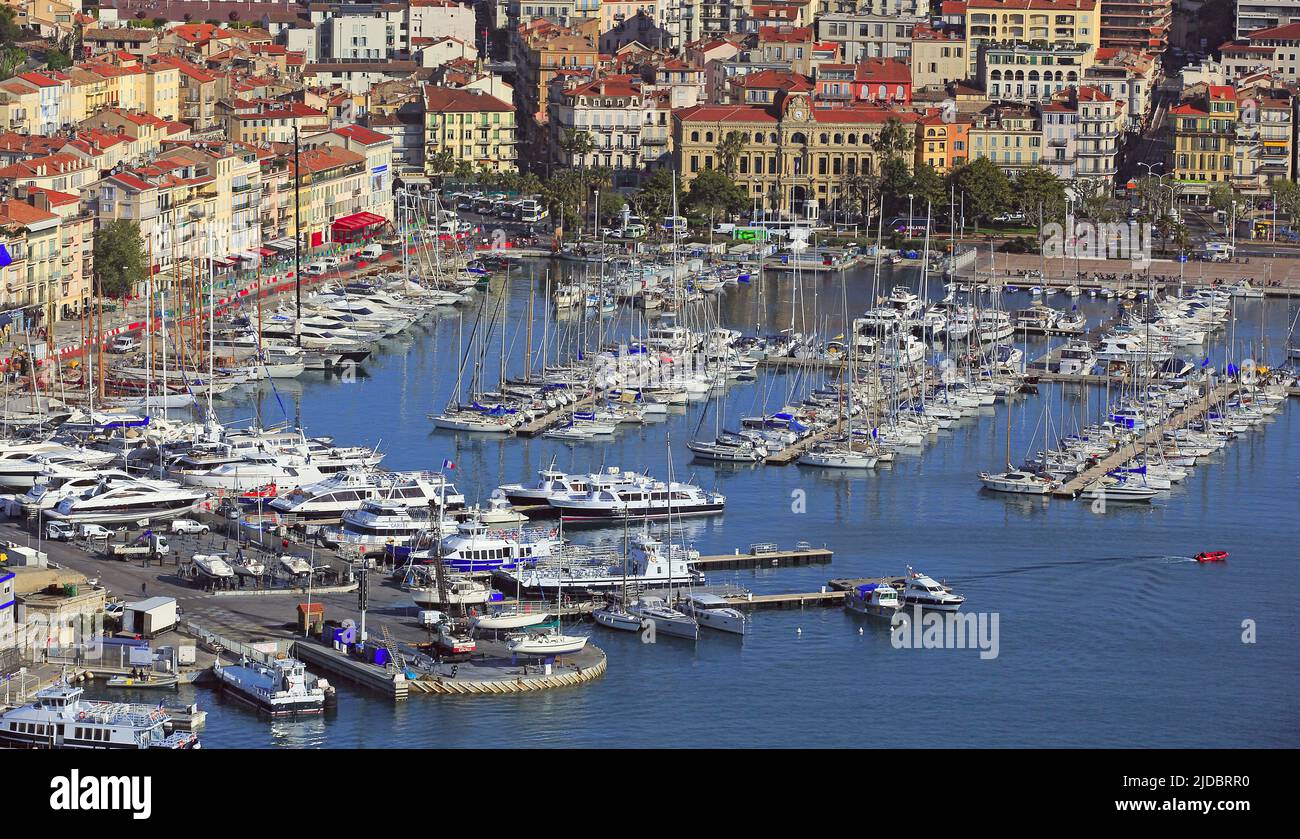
(1109, 633)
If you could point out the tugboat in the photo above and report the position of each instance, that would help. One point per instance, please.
(59, 718)
(281, 688)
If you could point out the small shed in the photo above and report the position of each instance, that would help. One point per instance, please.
(311, 617)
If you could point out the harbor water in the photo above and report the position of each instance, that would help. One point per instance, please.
(1109, 632)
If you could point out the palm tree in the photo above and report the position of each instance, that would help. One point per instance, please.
(730, 148)
(577, 143)
(895, 139)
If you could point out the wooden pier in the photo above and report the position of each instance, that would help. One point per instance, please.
(792, 452)
(791, 600)
(537, 426)
(1189, 414)
(759, 558)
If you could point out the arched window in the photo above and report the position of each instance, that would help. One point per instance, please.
(853, 139)
(708, 137)
(695, 136)
(799, 137)
(825, 138)
(839, 139)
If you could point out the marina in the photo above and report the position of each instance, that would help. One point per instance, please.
(925, 426)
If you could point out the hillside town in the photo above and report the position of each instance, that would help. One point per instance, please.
(176, 115)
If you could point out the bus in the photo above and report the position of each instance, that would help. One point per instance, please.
(531, 210)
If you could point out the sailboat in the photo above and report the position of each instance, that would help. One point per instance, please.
(614, 613)
(655, 609)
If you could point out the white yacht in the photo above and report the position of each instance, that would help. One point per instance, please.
(552, 484)
(713, 612)
(1075, 358)
(345, 491)
(546, 644)
(475, 547)
(213, 568)
(459, 591)
(1131, 348)
(1023, 483)
(120, 503)
(22, 463)
(281, 687)
(662, 618)
(923, 591)
(649, 563)
(376, 524)
(729, 448)
(58, 718)
(646, 499)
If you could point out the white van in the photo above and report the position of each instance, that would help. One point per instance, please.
(374, 250)
(1218, 251)
(316, 269)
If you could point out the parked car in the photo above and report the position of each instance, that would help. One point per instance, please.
(94, 531)
(188, 526)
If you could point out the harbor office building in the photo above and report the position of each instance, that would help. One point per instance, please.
(798, 159)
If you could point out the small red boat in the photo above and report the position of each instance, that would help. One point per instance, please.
(1212, 556)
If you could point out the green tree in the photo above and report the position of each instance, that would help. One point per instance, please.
(895, 139)
(895, 185)
(1093, 200)
(654, 199)
(729, 150)
(120, 260)
(714, 193)
(927, 186)
(442, 163)
(610, 206)
(986, 187)
(57, 59)
(1040, 195)
(1223, 199)
(1286, 196)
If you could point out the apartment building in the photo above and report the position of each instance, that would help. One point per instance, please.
(476, 128)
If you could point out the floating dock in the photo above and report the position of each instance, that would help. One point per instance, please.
(1191, 413)
(761, 556)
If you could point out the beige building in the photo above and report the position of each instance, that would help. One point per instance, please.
(938, 56)
(474, 127)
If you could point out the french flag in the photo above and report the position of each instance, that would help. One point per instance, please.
(447, 464)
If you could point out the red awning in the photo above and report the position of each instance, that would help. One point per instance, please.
(268, 252)
(356, 221)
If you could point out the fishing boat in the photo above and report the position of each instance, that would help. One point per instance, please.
(877, 600)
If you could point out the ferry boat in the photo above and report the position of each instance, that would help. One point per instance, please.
(649, 563)
(474, 547)
(58, 718)
(281, 688)
(376, 524)
(646, 499)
